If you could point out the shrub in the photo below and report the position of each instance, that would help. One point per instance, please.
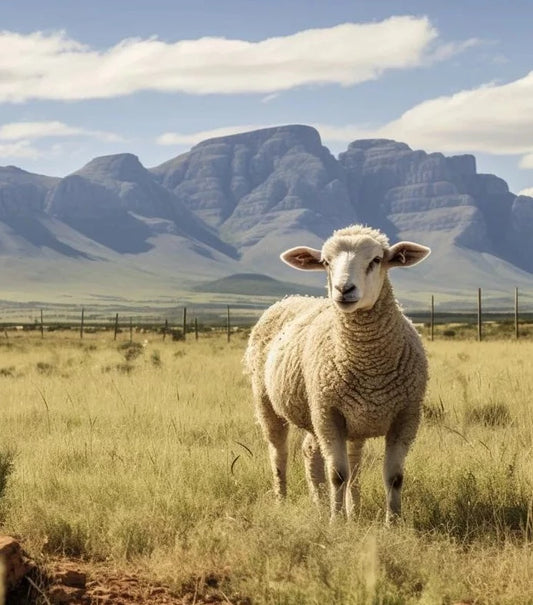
(131, 350)
(156, 359)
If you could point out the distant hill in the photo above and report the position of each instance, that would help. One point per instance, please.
(232, 204)
(257, 285)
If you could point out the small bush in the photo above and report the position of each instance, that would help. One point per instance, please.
(45, 368)
(131, 350)
(7, 372)
(449, 333)
(155, 357)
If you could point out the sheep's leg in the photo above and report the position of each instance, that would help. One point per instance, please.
(330, 428)
(353, 497)
(397, 443)
(276, 431)
(314, 466)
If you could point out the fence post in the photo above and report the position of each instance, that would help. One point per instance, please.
(131, 330)
(516, 331)
(184, 323)
(479, 316)
(432, 322)
(116, 327)
(165, 329)
(42, 325)
(228, 325)
(196, 328)
(82, 320)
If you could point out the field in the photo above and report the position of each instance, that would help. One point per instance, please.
(145, 458)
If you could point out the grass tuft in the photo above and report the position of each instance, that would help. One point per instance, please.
(490, 414)
(7, 466)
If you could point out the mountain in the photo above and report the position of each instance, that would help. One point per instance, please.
(256, 285)
(260, 188)
(231, 204)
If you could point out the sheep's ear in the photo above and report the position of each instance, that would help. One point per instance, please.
(406, 254)
(303, 258)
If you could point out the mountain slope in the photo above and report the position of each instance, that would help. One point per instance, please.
(232, 204)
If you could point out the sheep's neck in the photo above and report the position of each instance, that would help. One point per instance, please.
(364, 335)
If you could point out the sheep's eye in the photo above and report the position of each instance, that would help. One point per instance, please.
(375, 261)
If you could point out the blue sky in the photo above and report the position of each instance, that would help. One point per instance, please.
(81, 79)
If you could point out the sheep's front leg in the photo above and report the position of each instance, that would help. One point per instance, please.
(353, 498)
(397, 443)
(330, 430)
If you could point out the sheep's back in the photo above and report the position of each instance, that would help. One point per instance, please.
(272, 324)
(274, 352)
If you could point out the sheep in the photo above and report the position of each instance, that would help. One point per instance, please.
(343, 368)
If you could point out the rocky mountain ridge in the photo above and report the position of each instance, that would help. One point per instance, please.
(231, 204)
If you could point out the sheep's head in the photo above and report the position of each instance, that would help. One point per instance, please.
(356, 260)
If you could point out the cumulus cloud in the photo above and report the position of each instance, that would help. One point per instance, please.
(53, 66)
(15, 131)
(495, 119)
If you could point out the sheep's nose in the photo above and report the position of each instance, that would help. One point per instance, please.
(345, 288)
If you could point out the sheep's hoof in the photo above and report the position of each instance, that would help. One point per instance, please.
(393, 520)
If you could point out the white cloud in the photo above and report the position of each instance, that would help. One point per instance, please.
(178, 138)
(528, 192)
(19, 149)
(450, 49)
(270, 97)
(15, 131)
(527, 160)
(17, 138)
(53, 66)
(492, 119)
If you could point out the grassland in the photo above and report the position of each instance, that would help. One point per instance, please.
(148, 457)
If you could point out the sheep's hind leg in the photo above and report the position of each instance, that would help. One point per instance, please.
(276, 431)
(397, 443)
(353, 496)
(314, 467)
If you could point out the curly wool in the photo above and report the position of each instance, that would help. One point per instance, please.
(341, 376)
(370, 365)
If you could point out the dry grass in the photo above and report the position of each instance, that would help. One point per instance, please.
(161, 466)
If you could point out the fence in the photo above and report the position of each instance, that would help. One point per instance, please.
(178, 324)
(55, 321)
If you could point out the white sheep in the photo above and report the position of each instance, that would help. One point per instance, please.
(343, 368)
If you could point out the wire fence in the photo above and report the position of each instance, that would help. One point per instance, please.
(438, 320)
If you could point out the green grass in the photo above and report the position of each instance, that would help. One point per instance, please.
(162, 467)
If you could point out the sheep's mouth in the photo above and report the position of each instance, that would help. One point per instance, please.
(347, 305)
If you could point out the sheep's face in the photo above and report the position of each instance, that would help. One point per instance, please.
(356, 261)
